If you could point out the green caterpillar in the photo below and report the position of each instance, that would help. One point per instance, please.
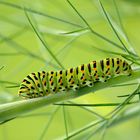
(43, 83)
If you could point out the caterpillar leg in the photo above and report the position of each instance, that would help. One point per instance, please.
(90, 83)
(75, 87)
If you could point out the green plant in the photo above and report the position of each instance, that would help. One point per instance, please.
(81, 37)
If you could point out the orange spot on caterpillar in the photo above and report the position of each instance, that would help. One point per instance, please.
(60, 81)
(51, 82)
(108, 66)
(96, 77)
(44, 83)
(83, 78)
(72, 82)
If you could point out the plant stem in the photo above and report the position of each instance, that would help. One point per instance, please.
(129, 114)
(14, 109)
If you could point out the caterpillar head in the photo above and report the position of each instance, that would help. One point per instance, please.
(28, 88)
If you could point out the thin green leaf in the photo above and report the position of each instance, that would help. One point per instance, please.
(10, 54)
(126, 115)
(37, 12)
(1, 67)
(68, 44)
(119, 17)
(90, 28)
(16, 86)
(21, 49)
(14, 35)
(76, 32)
(8, 82)
(85, 128)
(36, 30)
(35, 115)
(102, 126)
(88, 110)
(24, 51)
(127, 95)
(110, 23)
(131, 59)
(48, 124)
(97, 130)
(13, 21)
(96, 105)
(6, 121)
(126, 56)
(122, 105)
(65, 121)
(129, 84)
(122, 27)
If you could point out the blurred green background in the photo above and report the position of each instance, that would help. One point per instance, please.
(21, 52)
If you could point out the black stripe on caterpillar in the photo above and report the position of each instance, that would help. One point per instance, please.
(43, 83)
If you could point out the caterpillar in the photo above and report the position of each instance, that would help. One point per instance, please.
(44, 83)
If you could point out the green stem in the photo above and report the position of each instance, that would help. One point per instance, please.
(14, 109)
(129, 114)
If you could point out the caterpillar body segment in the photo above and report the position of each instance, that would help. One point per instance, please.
(43, 83)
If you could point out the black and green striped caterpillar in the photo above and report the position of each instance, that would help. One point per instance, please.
(43, 83)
